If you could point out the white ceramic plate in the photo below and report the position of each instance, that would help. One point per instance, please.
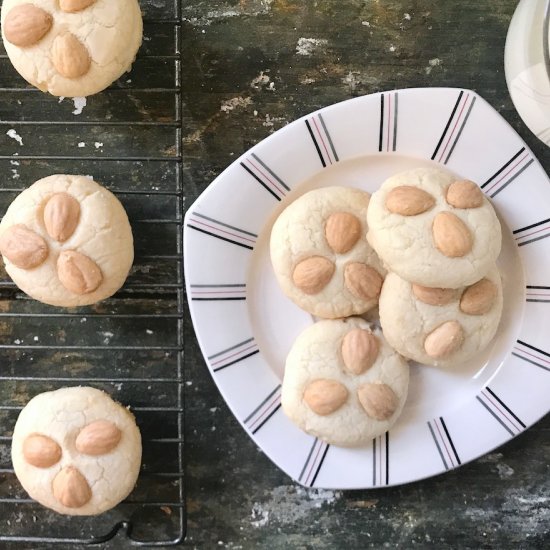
(245, 325)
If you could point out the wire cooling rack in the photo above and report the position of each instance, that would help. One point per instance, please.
(129, 139)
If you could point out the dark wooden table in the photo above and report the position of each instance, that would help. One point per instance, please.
(249, 67)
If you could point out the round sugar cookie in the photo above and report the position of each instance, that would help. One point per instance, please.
(76, 451)
(440, 327)
(71, 47)
(432, 229)
(66, 241)
(320, 254)
(343, 383)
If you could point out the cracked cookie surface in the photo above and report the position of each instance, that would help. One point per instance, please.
(76, 451)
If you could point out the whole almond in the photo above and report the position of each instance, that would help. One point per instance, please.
(25, 25)
(77, 272)
(61, 215)
(22, 247)
(69, 56)
(479, 298)
(451, 235)
(70, 488)
(313, 274)
(98, 438)
(434, 296)
(444, 340)
(41, 451)
(72, 6)
(464, 194)
(359, 350)
(363, 281)
(342, 231)
(325, 396)
(378, 400)
(408, 200)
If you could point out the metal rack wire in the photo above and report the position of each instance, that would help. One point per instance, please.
(132, 344)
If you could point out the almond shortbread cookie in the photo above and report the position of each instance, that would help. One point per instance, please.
(437, 326)
(66, 241)
(76, 451)
(432, 229)
(320, 254)
(71, 47)
(343, 383)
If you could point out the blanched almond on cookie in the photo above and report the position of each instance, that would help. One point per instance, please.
(69, 56)
(359, 350)
(41, 451)
(77, 272)
(378, 400)
(451, 235)
(325, 396)
(313, 274)
(25, 25)
(363, 281)
(444, 340)
(72, 6)
(464, 194)
(61, 215)
(98, 438)
(22, 247)
(479, 298)
(70, 488)
(342, 231)
(408, 200)
(433, 296)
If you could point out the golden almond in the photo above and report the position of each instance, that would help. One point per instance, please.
(451, 235)
(22, 247)
(72, 6)
(98, 438)
(313, 274)
(70, 488)
(77, 272)
(479, 298)
(25, 25)
(464, 194)
(407, 200)
(363, 281)
(69, 56)
(434, 296)
(378, 400)
(41, 451)
(61, 215)
(342, 231)
(444, 340)
(359, 350)
(325, 396)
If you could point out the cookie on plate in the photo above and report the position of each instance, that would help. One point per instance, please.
(71, 47)
(66, 241)
(437, 326)
(76, 451)
(320, 254)
(343, 383)
(432, 229)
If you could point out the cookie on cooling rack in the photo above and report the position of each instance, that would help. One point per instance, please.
(320, 254)
(432, 229)
(66, 241)
(343, 382)
(76, 451)
(71, 47)
(437, 326)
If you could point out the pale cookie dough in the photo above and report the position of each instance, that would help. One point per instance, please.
(320, 254)
(76, 451)
(432, 229)
(440, 327)
(71, 47)
(66, 241)
(343, 383)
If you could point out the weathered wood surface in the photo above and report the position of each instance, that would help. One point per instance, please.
(249, 67)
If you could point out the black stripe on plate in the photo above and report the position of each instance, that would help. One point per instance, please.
(395, 122)
(316, 144)
(516, 231)
(260, 181)
(266, 419)
(328, 137)
(448, 124)
(239, 285)
(533, 348)
(504, 405)
(381, 135)
(494, 415)
(320, 465)
(387, 457)
(218, 237)
(449, 438)
(228, 299)
(504, 166)
(461, 129)
(374, 462)
(438, 446)
(238, 360)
